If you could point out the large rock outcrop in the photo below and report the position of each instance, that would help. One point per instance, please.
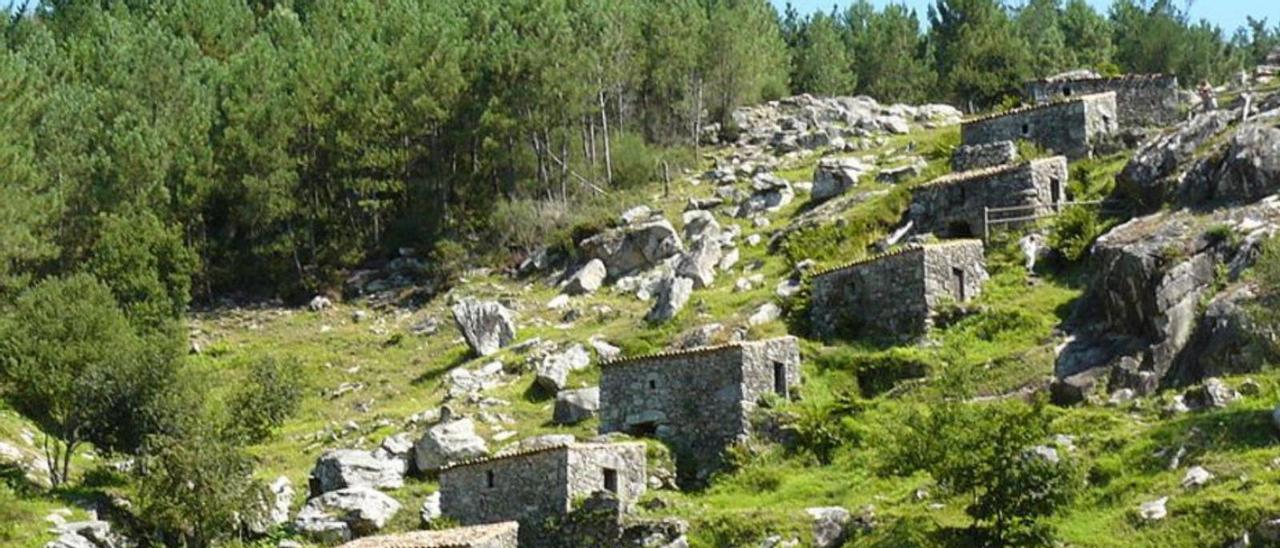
(1156, 313)
(486, 325)
(341, 468)
(446, 443)
(344, 514)
(639, 246)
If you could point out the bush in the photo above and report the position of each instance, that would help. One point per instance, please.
(198, 490)
(269, 396)
(1075, 230)
(983, 453)
(634, 162)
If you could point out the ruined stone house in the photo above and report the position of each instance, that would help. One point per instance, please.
(895, 293)
(1142, 100)
(698, 400)
(1071, 127)
(954, 205)
(531, 486)
(494, 535)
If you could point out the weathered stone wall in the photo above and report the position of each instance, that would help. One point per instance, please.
(696, 400)
(531, 487)
(895, 293)
(1071, 128)
(953, 205)
(971, 157)
(1142, 100)
(954, 272)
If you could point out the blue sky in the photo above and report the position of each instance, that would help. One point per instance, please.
(1228, 14)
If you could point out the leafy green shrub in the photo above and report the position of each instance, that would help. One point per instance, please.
(983, 453)
(1075, 229)
(634, 162)
(879, 372)
(448, 259)
(821, 427)
(1028, 150)
(269, 396)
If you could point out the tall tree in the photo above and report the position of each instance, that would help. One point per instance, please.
(822, 63)
(979, 56)
(1087, 34)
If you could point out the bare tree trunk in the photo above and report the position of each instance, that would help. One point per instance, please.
(604, 126)
(697, 116)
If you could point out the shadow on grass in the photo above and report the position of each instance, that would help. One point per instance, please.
(438, 372)
(1217, 431)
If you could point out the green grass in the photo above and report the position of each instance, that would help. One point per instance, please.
(853, 401)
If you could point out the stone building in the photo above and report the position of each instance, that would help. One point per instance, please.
(698, 400)
(531, 486)
(971, 157)
(1072, 127)
(953, 205)
(1142, 100)
(896, 292)
(494, 535)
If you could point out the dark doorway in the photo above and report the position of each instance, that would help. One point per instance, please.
(780, 378)
(1055, 191)
(643, 429)
(611, 480)
(957, 277)
(488, 478)
(1026, 130)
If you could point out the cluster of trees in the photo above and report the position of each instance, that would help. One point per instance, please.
(976, 53)
(280, 142)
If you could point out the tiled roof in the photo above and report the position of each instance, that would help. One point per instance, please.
(527, 452)
(684, 352)
(1031, 108)
(1121, 78)
(893, 253)
(458, 537)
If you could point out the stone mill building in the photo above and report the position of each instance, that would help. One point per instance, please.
(1071, 127)
(699, 400)
(954, 205)
(531, 486)
(898, 292)
(1142, 100)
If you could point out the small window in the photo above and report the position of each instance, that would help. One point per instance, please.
(611, 480)
(1066, 91)
(488, 478)
(653, 384)
(958, 275)
(1026, 129)
(780, 378)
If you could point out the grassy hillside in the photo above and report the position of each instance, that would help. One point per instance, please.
(366, 378)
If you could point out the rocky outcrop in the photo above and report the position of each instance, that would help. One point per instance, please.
(575, 406)
(487, 326)
(834, 176)
(674, 294)
(587, 279)
(633, 247)
(448, 442)
(1152, 274)
(341, 468)
(769, 193)
(701, 262)
(829, 525)
(344, 514)
(1153, 174)
(806, 122)
(552, 373)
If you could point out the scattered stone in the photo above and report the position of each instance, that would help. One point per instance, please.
(398, 447)
(699, 263)
(828, 525)
(1121, 396)
(427, 326)
(728, 259)
(753, 240)
(553, 371)
(587, 279)
(835, 176)
(558, 302)
(320, 302)
(1154, 510)
(575, 406)
(93, 533)
(487, 326)
(341, 468)
(899, 174)
(605, 350)
(1196, 476)
(462, 381)
(1045, 453)
(358, 316)
(636, 214)
(634, 247)
(430, 510)
(1213, 393)
(766, 313)
(700, 336)
(788, 287)
(341, 515)
(674, 295)
(446, 443)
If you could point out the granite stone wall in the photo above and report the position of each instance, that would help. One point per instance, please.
(697, 400)
(952, 206)
(531, 487)
(971, 157)
(496, 535)
(895, 293)
(1142, 100)
(1071, 127)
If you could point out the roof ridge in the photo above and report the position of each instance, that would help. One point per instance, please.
(984, 172)
(1150, 76)
(1030, 108)
(893, 253)
(673, 353)
(527, 452)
